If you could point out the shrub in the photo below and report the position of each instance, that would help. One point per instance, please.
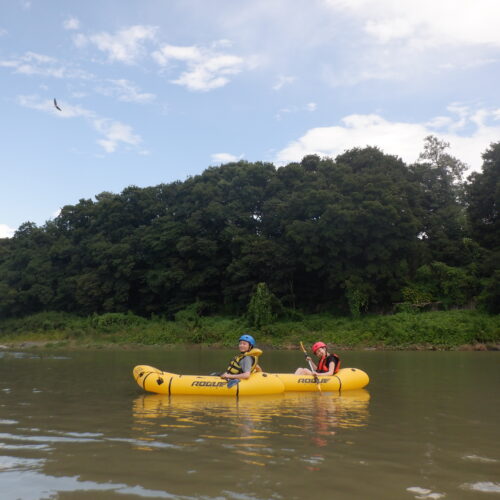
(113, 321)
(357, 295)
(453, 286)
(416, 295)
(262, 307)
(190, 315)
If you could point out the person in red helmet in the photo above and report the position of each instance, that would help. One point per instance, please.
(328, 364)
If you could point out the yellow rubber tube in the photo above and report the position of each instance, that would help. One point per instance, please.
(153, 380)
(345, 379)
(157, 381)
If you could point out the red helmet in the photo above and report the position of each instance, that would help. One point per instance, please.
(317, 345)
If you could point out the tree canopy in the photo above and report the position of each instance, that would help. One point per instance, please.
(347, 234)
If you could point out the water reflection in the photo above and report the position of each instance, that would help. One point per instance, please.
(349, 408)
(247, 426)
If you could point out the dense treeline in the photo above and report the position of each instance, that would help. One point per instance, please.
(359, 233)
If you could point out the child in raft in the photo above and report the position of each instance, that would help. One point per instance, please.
(243, 364)
(328, 364)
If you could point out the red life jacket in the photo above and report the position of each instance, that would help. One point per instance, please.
(325, 361)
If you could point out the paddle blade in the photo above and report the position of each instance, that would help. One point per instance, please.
(232, 383)
(303, 348)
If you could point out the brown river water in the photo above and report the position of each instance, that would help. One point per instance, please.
(75, 425)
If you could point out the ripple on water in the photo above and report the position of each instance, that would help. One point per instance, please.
(18, 355)
(16, 463)
(477, 458)
(28, 447)
(37, 486)
(424, 493)
(45, 439)
(145, 443)
(482, 486)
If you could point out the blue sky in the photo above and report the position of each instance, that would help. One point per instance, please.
(154, 91)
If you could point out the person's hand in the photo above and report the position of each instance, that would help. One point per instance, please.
(308, 358)
(225, 376)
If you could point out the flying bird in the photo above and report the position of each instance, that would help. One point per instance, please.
(56, 106)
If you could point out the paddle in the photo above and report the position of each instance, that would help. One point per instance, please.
(232, 382)
(316, 379)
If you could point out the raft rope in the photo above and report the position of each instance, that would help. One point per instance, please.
(144, 380)
(340, 382)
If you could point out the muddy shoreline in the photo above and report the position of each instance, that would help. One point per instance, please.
(73, 345)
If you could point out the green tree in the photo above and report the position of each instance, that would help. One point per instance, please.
(260, 309)
(483, 200)
(439, 208)
(452, 286)
(436, 155)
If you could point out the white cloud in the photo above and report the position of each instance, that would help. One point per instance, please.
(80, 40)
(284, 111)
(206, 68)
(32, 63)
(426, 22)
(125, 46)
(388, 30)
(225, 158)
(72, 23)
(476, 63)
(168, 52)
(8, 64)
(282, 81)
(439, 122)
(310, 106)
(223, 43)
(125, 91)
(3, 32)
(402, 139)
(114, 132)
(390, 40)
(6, 231)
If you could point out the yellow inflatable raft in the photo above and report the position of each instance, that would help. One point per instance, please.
(154, 380)
(345, 379)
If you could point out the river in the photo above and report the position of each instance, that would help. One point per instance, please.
(74, 425)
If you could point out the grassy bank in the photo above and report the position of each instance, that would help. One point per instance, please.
(440, 329)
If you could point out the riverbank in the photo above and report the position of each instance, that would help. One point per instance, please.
(92, 345)
(438, 330)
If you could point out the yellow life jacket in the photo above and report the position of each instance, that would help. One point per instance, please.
(235, 366)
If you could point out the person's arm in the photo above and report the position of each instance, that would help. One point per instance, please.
(241, 376)
(308, 358)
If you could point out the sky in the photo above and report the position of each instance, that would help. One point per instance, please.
(154, 91)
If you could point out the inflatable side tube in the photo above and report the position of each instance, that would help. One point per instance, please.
(345, 379)
(157, 381)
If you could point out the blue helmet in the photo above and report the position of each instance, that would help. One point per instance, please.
(247, 338)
